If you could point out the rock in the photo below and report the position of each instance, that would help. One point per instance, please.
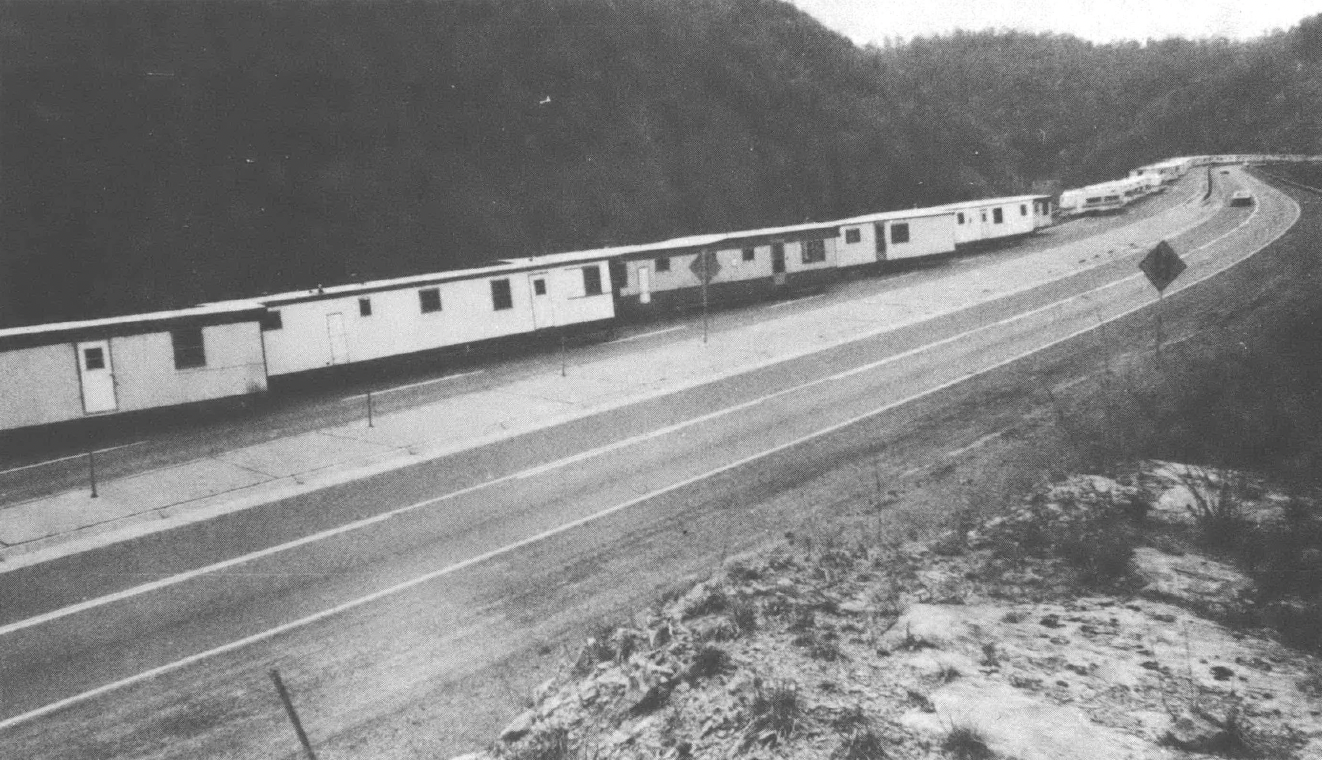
(922, 626)
(519, 727)
(1194, 733)
(1190, 579)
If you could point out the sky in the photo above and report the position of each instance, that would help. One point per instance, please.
(872, 21)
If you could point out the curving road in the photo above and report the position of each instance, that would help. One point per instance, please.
(393, 605)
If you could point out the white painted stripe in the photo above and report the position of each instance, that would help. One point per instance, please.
(71, 456)
(649, 334)
(403, 586)
(792, 301)
(976, 444)
(415, 385)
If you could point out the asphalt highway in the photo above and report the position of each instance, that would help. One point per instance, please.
(369, 594)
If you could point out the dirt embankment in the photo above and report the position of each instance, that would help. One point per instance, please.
(1102, 618)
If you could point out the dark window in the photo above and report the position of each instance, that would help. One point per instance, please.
(592, 280)
(853, 236)
(777, 258)
(93, 358)
(1023, 209)
(539, 287)
(814, 251)
(960, 217)
(984, 217)
(997, 216)
(188, 349)
(879, 234)
(750, 254)
(364, 307)
(271, 320)
(501, 298)
(429, 300)
(663, 264)
(900, 232)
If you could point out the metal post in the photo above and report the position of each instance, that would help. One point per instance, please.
(91, 470)
(369, 409)
(562, 355)
(1160, 301)
(705, 278)
(293, 715)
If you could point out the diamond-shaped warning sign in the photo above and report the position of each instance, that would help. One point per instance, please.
(706, 266)
(1162, 265)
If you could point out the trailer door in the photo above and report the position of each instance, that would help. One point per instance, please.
(97, 376)
(543, 310)
(879, 229)
(339, 342)
(644, 284)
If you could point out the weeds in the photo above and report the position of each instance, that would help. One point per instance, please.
(711, 603)
(551, 744)
(966, 743)
(775, 712)
(708, 662)
(743, 614)
(865, 744)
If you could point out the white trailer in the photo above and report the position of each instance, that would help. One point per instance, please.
(346, 324)
(895, 235)
(997, 219)
(75, 370)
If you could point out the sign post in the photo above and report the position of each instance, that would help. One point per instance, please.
(705, 266)
(1162, 265)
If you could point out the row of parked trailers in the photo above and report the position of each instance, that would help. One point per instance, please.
(68, 371)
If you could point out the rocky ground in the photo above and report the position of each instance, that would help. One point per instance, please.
(1103, 618)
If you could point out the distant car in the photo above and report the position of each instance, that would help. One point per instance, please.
(1225, 171)
(1241, 198)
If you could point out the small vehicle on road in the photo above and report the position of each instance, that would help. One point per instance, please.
(1241, 198)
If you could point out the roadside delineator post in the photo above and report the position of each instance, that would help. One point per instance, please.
(91, 470)
(293, 714)
(369, 409)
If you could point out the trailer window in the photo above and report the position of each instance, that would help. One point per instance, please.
(959, 217)
(94, 358)
(853, 236)
(1023, 209)
(189, 351)
(364, 307)
(750, 254)
(984, 217)
(663, 264)
(429, 300)
(900, 232)
(997, 216)
(592, 280)
(539, 287)
(501, 297)
(272, 320)
(814, 251)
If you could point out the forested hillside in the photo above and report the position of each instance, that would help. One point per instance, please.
(154, 155)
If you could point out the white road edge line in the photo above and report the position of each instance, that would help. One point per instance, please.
(415, 385)
(649, 334)
(71, 456)
(404, 586)
(791, 302)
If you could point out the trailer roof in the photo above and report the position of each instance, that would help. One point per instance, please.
(228, 312)
(961, 205)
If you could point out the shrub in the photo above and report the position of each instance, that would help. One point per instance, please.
(743, 614)
(712, 602)
(708, 662)
(861, 745)
(966, 743)
(551, 744)
(776, 709)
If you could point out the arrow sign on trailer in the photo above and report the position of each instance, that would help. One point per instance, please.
(1162, 265)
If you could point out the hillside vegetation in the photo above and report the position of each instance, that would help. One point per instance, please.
(156, 155)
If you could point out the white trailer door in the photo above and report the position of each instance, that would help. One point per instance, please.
(98, 377)
(339, 342)
(644, 284)
(543, 310)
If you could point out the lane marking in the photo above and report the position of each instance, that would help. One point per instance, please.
(792, 301)
(976, 444)
(649, 334)
(405, 585)
(600, 450)
(71, 456)
(415, 385)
